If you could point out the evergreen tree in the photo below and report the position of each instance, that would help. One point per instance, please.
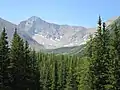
(89, 47)
(16, 62)
(106, 57)
(35, 72)
(48, 79)
(55, 74)
(115, 56)
(4, 61)
(27, 67)
(63, 73)
(99, 64)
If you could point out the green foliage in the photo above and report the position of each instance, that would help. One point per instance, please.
(100, 62)
(16, 61)
(94, 66)
(103, 51)
(4, 61)
(23, 65)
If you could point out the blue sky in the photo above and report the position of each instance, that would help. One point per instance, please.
(72, 12)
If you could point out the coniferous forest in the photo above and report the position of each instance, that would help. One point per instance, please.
(22, 68)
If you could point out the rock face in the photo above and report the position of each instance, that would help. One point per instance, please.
(10, 27)
(52, 35)
(41, 34)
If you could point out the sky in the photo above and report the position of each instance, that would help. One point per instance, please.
(71, 12)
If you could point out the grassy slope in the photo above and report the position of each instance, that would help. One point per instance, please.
(77, 50)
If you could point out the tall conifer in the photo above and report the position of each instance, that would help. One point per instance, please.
(4, 60)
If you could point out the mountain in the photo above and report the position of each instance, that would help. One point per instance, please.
(53, 35)
(44, 35)
(111, 20)
(56, 36)
(10, 27)
(79, 50)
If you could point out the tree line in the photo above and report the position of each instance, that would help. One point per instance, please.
(22, 68)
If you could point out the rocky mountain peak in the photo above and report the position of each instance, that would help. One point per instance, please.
(50, 35)
(34, 18)
(53, 35)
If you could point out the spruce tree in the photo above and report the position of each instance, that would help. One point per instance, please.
(16, 62)
(89, 47)
(115, 56)
(99, 61)
(27, 67)
(4, 60)
(48, 76)
(35, 72)
(72, 77)
(63, 73)
(55, 74)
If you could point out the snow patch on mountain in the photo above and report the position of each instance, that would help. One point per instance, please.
(55, 36)
(44, 41)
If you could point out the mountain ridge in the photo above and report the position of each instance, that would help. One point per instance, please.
(46, 35)
(10, 27)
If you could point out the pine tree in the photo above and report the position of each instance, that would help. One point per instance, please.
(48, 79)
(55, 74)
(63, 73)
(89, 47)
(107, 60)
(35, 72)
(95, 60)
(99, 64)
(27, 67)
(16, 62)
(72, 77)
(115, 56)
(4, 60)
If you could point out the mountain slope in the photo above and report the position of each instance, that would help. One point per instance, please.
(41, 34)
(10, 30)
(53, 35)
(63, 50)
(109, 25)
(79, 50)
(75, 50)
